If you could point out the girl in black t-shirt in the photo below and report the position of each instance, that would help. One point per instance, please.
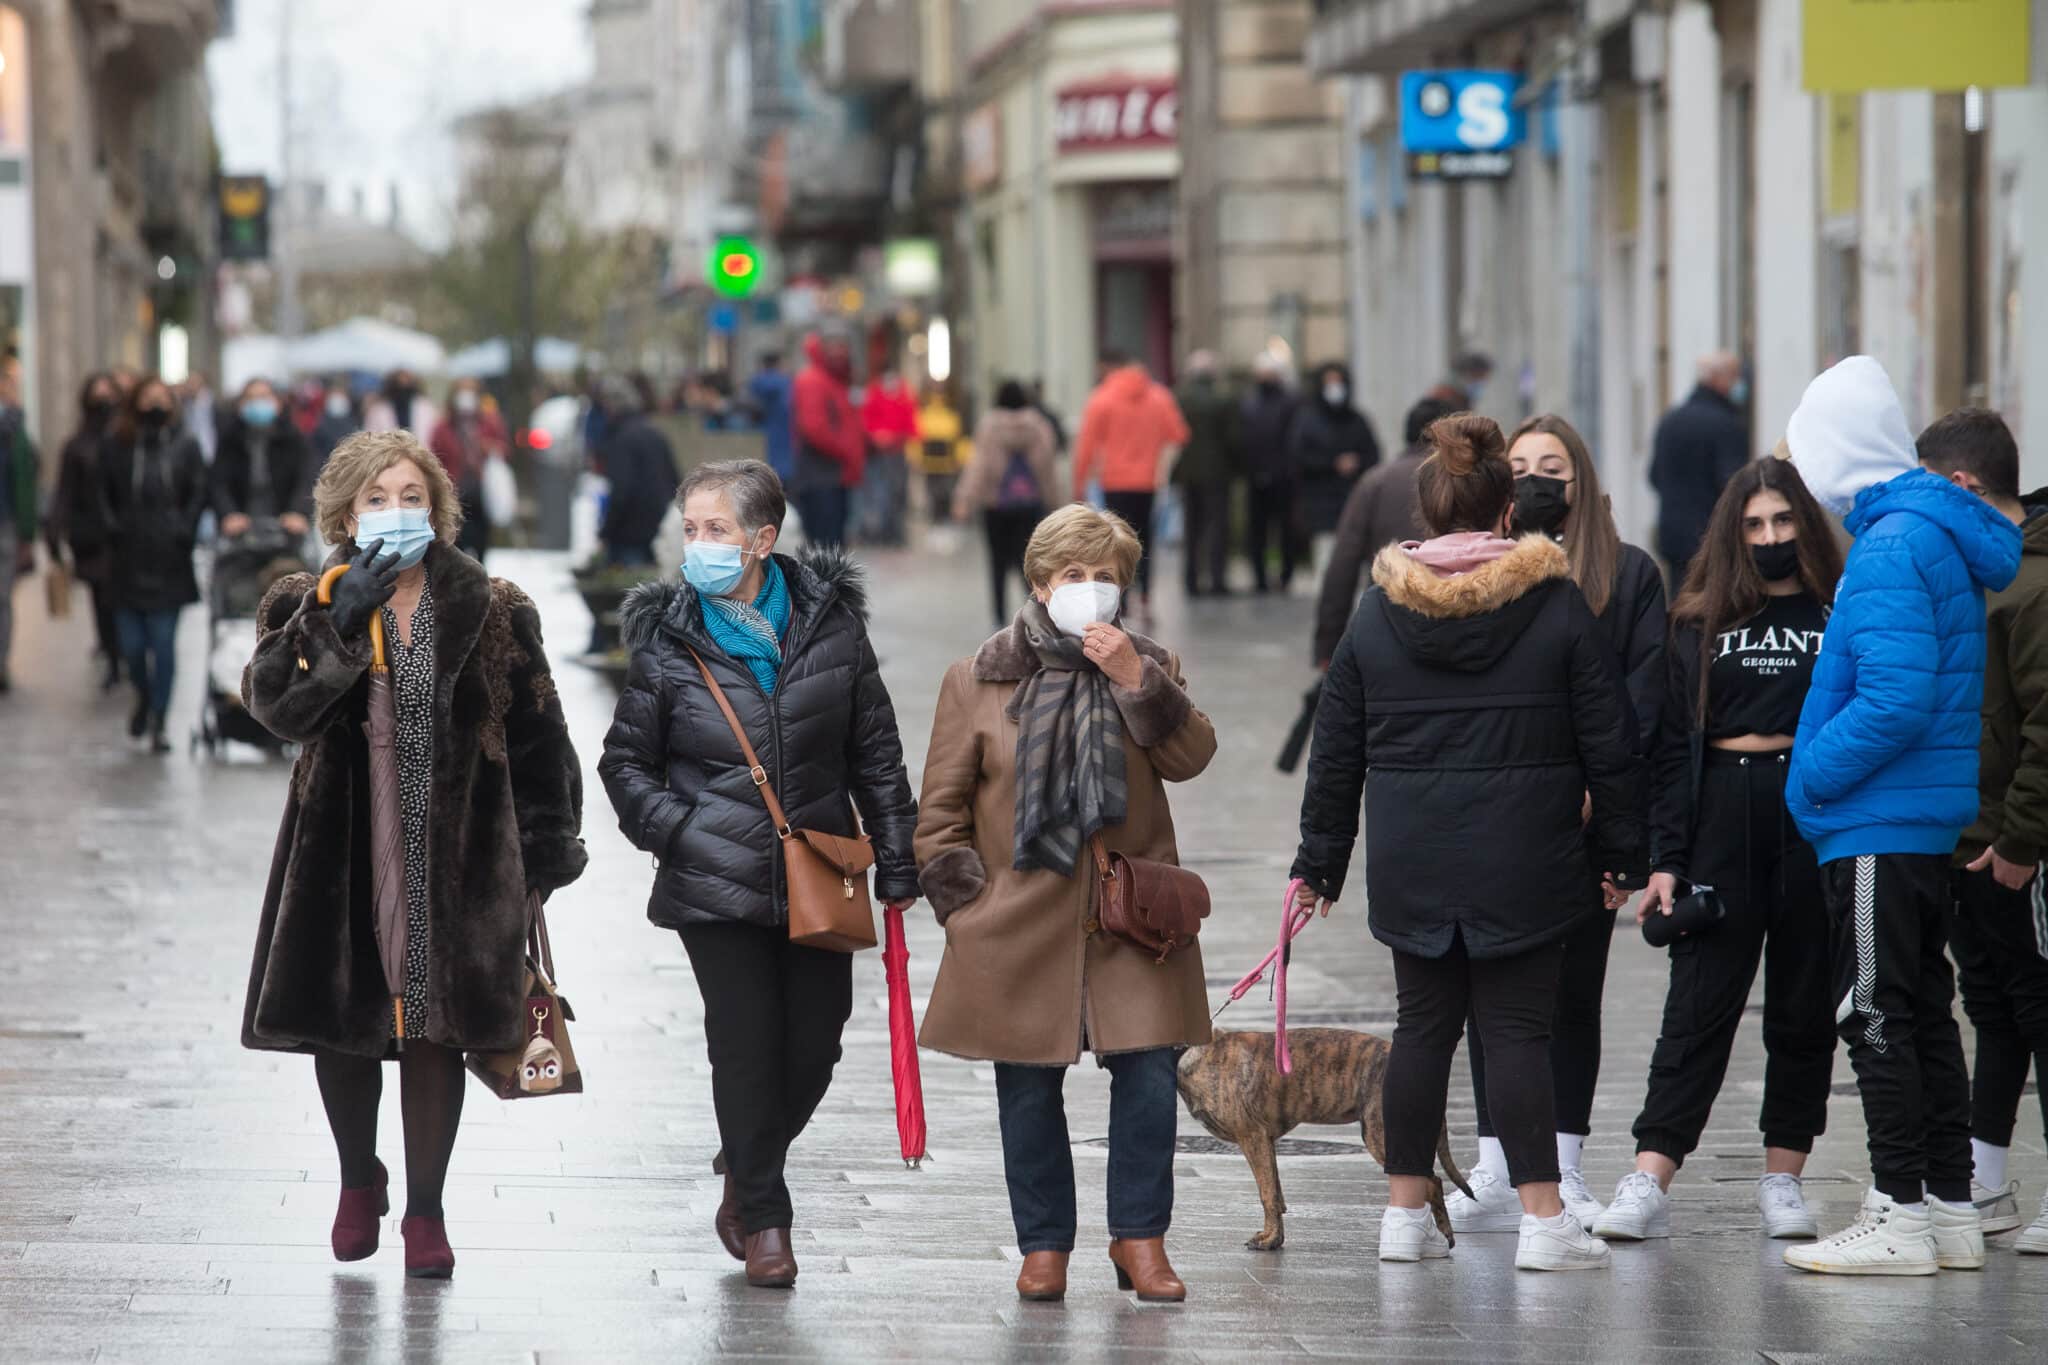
(1745, 632)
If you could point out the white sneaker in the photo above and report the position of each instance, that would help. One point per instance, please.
(1958, 1235)
(2000, 1209)
(1884, 1240)
(1571, 1187)
(1782, 1200)
(1411, 1235)
(1558, 1244)
(1493, 1207)
(1640, 1210)
(2034, 1241)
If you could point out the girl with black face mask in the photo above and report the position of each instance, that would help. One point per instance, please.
(1746, 630)
(1557, 494)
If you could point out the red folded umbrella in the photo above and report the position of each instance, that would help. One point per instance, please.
(903, 1039)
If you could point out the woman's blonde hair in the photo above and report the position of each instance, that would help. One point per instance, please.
(366, 456)
(1079, 534)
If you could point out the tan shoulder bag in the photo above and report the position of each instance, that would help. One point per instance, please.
(826, 874)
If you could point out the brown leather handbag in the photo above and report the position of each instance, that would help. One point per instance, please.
(544, 1064)
(826, 874)
(1153, 906)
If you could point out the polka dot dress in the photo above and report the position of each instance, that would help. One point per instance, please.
(412, 687)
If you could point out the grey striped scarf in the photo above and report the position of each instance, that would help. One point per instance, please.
(1070, 751)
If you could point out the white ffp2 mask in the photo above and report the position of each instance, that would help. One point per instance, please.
(1076, 606)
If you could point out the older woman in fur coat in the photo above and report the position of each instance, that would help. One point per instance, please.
(492, 803)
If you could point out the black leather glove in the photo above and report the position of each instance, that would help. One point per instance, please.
(366, 586)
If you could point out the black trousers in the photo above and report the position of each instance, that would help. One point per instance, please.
(1270, 519)
(1574, 1029)
(1895, 1007)
(773, 1013)
(1996, 938)
(1512, 999)
(1009, 531)
(1207, 544)
(1746, 848)
(1136, 508)
(824, 509)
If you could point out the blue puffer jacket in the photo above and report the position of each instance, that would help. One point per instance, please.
(1886, 756)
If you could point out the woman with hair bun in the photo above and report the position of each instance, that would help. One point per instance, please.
(1475, 706)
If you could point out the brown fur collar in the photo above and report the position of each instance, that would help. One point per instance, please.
(1008, 657)
(1534, 561)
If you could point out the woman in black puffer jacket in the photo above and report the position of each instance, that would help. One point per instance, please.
(1474, 703)
(787, 641)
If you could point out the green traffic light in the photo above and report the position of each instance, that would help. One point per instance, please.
(735, 267)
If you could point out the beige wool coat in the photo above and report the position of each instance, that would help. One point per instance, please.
(1026, 977)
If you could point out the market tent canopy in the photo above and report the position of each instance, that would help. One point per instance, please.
(365, 345)
(490, 359)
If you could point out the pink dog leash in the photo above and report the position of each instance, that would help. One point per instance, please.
(1292, 921)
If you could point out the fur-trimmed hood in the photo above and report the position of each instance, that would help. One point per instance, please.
(1467, 621)
(818, 577)
(1007, 656)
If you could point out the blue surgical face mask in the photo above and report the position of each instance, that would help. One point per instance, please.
(405, 531)
(260, 412)
(713, 567)
(1738, 392)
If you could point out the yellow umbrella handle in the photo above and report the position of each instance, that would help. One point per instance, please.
(326, 596)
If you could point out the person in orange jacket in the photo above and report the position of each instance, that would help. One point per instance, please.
(1128, 429)
(831, 448)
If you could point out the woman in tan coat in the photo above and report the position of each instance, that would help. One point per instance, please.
(1012, 480)
(1062, 727)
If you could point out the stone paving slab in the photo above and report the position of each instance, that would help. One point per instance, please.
(165, 1195)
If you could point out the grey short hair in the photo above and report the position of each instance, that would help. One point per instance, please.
(753, 488)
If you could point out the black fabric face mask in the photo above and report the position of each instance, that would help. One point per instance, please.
(1540, 503)
(1776, 562)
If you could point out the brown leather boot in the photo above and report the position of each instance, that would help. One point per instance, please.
(770, 1264)
(731, 1235)
(1044, 1277)
(1141, 1264)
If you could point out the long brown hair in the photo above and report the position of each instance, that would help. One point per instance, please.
(1723, 589)
(1465, 484)
(1591, 543)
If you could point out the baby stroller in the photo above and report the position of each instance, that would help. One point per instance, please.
(243, 570)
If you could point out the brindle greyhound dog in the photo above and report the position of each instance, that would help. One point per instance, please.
(1235, 1088)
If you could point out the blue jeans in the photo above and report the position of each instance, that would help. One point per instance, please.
(1038, 1161)
(824, 512)
(149, 642)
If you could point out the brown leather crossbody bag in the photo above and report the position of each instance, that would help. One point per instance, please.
(1153, 906)
(826, 874)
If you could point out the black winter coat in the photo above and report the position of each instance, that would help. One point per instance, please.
(1633, 620)
(1267, 414)
(1697, 448)
(287, 458)
(676, 775)
(152, 496)
(77, 507)
(1474, 713)
(1318, 435)
(642, 471)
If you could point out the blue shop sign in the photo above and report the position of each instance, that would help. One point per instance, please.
(1461, 124)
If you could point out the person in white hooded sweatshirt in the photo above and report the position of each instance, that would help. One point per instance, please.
(1883, 782)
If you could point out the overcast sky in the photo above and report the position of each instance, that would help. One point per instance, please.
(375, 83)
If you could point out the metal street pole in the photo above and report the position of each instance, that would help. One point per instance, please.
(289, 321)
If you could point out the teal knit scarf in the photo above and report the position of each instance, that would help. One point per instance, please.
(752, 634)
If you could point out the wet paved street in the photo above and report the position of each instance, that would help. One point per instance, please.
(165, 1195)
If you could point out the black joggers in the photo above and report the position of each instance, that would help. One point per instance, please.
(1136, 508)
(1512, 999)
(1746, 847)
(1205, 544)
(773, 1012)
(1009, 532)
(1895, 1006)
(1574, 1029)
(1996, 937)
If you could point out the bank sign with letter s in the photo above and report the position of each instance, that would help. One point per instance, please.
(1460, 125)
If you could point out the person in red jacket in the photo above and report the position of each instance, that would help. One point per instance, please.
(888, 415)
(831, 448)
(1129, 426)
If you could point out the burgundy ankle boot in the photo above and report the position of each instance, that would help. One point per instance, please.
(427, 1254)
(356, 1220)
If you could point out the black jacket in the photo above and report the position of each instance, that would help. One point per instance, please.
(1212, 454)
(285, 454)
(1262, 427)
(77, 508)
(1698, 447)
(1633, 620)
(1316, 438)
(1474, 713)
(675, 772)
(153, 493)
(642, 472)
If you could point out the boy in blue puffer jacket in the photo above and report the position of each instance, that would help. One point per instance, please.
(1883, 782)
